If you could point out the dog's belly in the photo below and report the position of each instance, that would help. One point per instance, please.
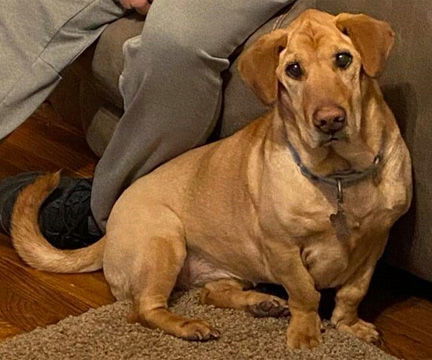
(198, 271)
(327, 264)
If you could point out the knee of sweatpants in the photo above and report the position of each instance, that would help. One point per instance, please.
(171, 57)
(179, 49)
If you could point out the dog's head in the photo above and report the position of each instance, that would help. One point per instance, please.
(314, 68)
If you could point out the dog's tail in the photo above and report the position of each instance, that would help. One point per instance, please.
(30, 243)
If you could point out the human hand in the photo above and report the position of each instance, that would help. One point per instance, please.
(141, 6)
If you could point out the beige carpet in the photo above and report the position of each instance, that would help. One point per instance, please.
(104, 334)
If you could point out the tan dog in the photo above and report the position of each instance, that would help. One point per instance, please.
(304, 196)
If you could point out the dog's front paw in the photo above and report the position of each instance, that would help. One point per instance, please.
(272, 307)
(362, 329)
(304, 331)
(197, 330)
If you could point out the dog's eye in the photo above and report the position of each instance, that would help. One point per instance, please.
(343, 60)
(294, 70)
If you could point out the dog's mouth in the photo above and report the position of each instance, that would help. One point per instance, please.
(331, 139)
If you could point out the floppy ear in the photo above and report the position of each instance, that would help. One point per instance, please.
(372, 38)
(258, 63)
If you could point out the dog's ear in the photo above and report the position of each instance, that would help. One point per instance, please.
(258, 63)
(372, 38)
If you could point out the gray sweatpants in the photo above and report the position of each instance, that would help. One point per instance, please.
(171, 83)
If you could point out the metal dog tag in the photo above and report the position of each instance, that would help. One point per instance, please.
(339, 220)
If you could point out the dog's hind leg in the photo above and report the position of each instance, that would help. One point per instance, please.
(160, 263)
(230, 293)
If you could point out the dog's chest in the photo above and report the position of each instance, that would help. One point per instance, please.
(335, 240)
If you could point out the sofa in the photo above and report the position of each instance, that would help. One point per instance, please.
(89, 94)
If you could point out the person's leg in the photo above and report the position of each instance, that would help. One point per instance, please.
(38, 39)
(171, 86)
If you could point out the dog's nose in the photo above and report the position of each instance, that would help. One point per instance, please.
(330, 119)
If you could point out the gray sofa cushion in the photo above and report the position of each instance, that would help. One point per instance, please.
(108, 61)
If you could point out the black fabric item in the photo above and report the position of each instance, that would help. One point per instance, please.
(65, 217)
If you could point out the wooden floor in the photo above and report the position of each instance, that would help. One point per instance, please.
(400, 304)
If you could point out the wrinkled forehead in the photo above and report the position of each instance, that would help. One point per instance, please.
(315, 32)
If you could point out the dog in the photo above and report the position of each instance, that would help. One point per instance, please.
(303, 197)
